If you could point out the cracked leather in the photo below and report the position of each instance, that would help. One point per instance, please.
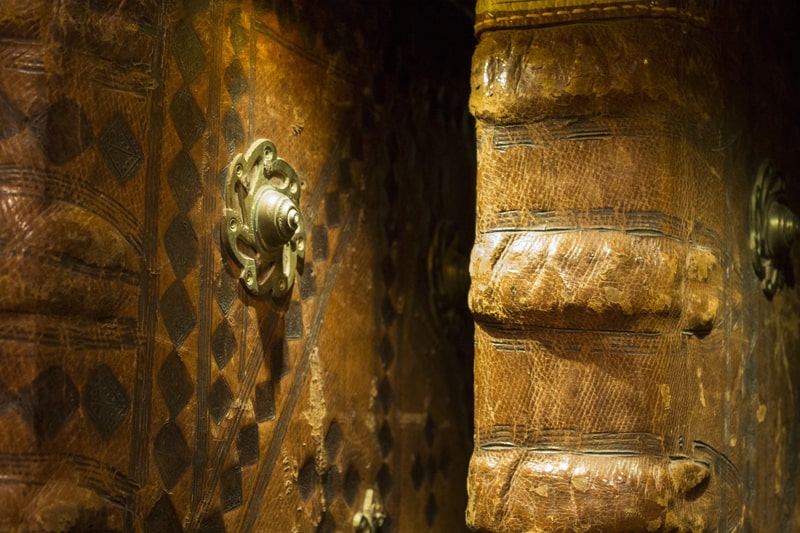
(606, 277)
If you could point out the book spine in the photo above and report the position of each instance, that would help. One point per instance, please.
(601, 282)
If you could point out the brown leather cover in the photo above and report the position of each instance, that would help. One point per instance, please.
(141, 388)
(626, 363)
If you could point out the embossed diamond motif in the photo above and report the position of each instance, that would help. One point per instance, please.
(181, 244)
(307, 479)
(227, 289)
(350, 485)
(307, 282)
(177, 313)
(384, 480)
(333, 440)
(184, 180)
(231, 485)
(385, 394)
(171, 453)
(248, 445)
(235, 80)
(222, 177)
(219, 400)
(232, 130)
(105, 400)
(264, 405)
(386, 351)
(294, 321)
(331, 483)
(187, 117)
(188, 51)
(387, 310)
(279, 359)
(175, 384)
(385, 439)
(223, 344)
(162, 517)
(121, 150)
(327, 524)
(49, 401)
(430, 510)
(319, 243)
(238, 32)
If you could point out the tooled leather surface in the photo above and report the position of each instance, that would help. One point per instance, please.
(141, 388)
(752, 54)
(605, 283)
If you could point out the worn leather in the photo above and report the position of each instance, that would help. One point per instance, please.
(497, 14)
(141, 387)
(609, 278)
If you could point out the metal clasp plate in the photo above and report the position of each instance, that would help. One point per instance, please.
(264, 227)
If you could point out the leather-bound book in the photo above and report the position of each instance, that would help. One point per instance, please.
(607, 273)
(144, 386)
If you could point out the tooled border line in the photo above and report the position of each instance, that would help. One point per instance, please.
(487, 19)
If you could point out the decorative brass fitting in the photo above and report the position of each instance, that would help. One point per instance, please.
(264, 226)
(371, 516)
(773, 228)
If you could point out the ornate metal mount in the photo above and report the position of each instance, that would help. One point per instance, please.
(371, 516)
(773, 228)
(264, 227)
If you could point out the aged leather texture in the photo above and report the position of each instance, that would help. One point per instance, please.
(629, 373)
(141, 387)
(494, 14)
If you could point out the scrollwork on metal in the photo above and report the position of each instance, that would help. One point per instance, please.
(264, 226)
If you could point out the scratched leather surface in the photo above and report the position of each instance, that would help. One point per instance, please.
(141, 388)
(619, 384)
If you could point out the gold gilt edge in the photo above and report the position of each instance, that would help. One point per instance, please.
(498, 14)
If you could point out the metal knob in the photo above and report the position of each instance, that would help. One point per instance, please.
(264, 226)
(277, 218)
